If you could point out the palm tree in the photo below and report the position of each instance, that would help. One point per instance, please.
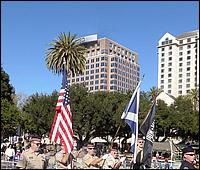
(66, 52)
(154, 92)
(193, 95)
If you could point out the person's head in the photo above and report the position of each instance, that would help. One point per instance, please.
(35, 142)
(188, 154)
(114, 152)
(91, 149)
(140, 141)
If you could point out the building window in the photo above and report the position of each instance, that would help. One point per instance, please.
(162, 70)
(92, 72)
(162, 65)
(187, 85)
(87, 78)
(97, 65)
(180, 86)
(162, 76)
(180, 81)
(181, 41)
(97, 59)
(169, 91)
(162, 87)
(92, 82)
(97, 76)
(188, 46)
(110, 45)
(87, 67)
(180, 69)
(188, 52)
(188, 57)
(97, 71)
(169, 80)
(169, 86)
(96, 87)
(181, 59)
(187, 80)
(170, 58)
(169, 69)
(180, 48)
(180, 64)
(87, 72)
(188, 74)
(170, 47)
(163, 49)
(169, 64)
(163, 54)
(180, 92)
(180, 53)
(162, 60)
(170, 53)
(162, 81)
(96, 81)
(188, 68)
(169, 75)
(189, 40)
(180, 75)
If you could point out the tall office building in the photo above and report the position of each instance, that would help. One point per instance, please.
(109, 67)
(178, 63)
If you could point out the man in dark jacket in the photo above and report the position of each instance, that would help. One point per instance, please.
(188, 157)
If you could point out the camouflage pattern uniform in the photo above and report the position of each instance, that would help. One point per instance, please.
(87, 159)
(31, 160)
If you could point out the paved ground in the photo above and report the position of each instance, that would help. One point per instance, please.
(8, 164)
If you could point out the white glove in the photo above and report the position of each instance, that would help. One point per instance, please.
(105, 156)
(122, 159)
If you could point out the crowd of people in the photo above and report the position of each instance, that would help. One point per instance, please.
(41, 156)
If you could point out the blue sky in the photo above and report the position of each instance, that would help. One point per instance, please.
(27, 28)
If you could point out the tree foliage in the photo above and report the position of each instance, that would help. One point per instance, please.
(66, 51)
(7, 89)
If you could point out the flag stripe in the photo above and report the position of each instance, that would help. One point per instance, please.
(61, 130)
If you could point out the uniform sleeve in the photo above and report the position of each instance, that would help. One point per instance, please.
(22, 162)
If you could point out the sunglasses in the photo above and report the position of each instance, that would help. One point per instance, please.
(190, 154)
(91, 148)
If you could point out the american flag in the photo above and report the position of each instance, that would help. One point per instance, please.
(61, 130)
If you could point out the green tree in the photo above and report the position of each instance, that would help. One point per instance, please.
(193, 95)
(40, 110)
(7, 89)
(11, 117)
(66, 51)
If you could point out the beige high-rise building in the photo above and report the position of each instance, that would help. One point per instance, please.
(109, 67)
(178, 63)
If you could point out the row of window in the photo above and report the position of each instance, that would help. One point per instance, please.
(180, 59)
(167, 41)
(179, 81)
(180, 48)
(170, 58)
(170, 53)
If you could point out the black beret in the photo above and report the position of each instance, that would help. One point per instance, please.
(188, 149)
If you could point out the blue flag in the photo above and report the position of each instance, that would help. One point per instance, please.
(130, 115)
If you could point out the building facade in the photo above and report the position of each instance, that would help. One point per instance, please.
(109, 67)
(178, 63)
